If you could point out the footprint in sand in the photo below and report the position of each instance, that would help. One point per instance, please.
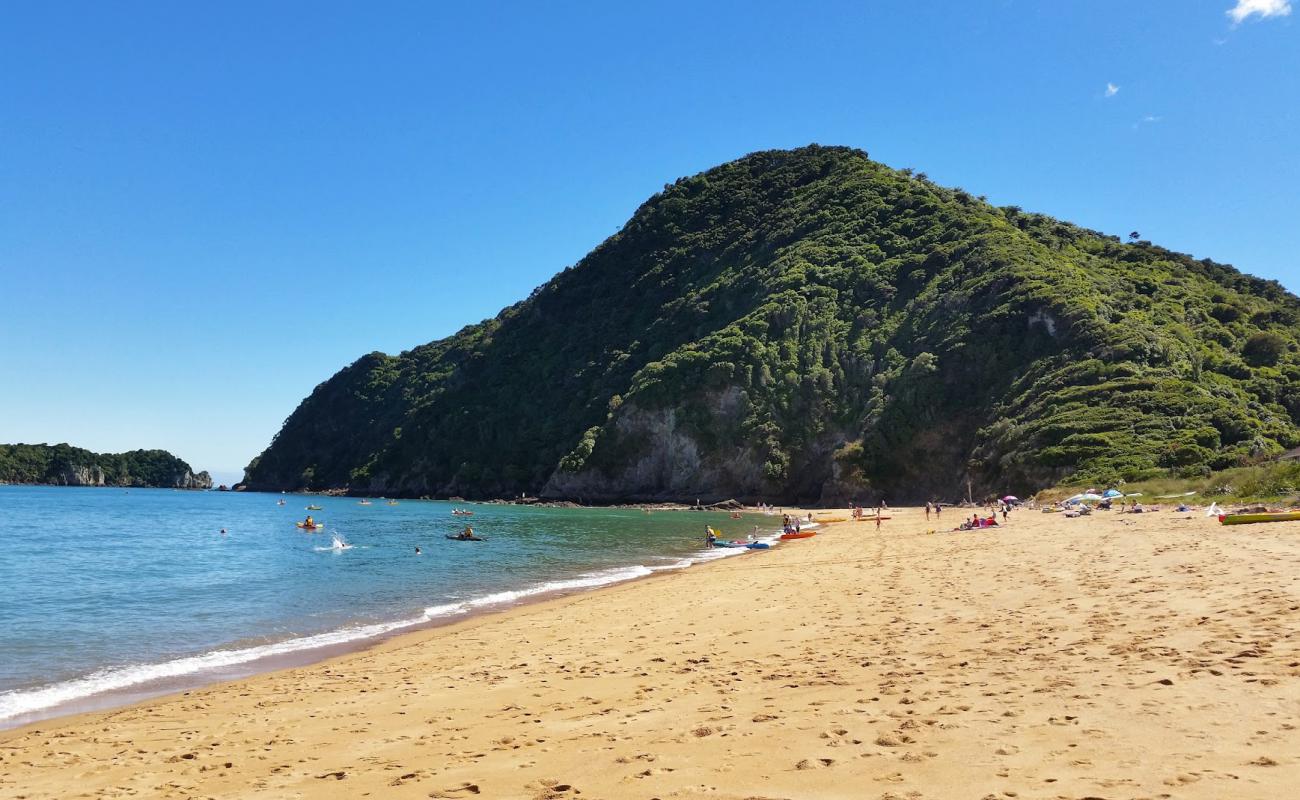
(460, 791)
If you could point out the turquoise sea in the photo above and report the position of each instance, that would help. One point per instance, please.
(109, 595)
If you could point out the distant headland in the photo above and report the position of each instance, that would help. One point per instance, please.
(65, 465)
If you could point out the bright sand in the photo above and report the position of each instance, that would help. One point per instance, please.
(1116, 656)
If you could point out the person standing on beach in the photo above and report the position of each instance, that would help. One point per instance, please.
(938, 510)
(927, 510)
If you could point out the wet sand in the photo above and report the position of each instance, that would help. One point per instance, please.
(1116, 656)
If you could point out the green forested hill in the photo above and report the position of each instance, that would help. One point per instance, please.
(810, 324)
(64, 465)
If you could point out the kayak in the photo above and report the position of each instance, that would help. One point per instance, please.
(1270, 516)
(731, 544)
(758, 545)
(800, 535)
(313, 508)
(307, 527)
(456, 538)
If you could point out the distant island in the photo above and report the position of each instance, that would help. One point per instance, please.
(813, 326)
(65, 465)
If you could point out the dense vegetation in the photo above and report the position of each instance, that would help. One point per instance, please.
(64, 465)
(810, 324)
(1275, 483)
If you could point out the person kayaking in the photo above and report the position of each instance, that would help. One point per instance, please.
(309, 522)
(467, 535)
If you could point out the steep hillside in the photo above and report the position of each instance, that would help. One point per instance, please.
(64, 465)
(810, 324)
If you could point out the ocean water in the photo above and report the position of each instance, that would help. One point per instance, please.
(109, 595)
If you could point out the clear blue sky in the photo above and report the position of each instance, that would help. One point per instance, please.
(207, 209)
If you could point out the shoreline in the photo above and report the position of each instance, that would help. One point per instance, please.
(164, 689)
(1103, 656)
(274, 660)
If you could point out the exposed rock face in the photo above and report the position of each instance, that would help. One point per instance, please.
(93, 475)
(80, 475)
(647, 455)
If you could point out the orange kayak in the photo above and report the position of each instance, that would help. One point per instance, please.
(799, 535)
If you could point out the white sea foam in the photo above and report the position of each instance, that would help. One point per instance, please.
(25, 701)
(682, 564)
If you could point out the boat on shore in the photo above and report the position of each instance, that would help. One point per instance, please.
(785, 537)
(1265, 516)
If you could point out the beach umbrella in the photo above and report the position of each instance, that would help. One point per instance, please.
(1072, 500)
(1090, 497)
(1011, 498)
(1112, 493)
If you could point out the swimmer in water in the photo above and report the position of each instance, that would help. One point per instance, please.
(223, 531)
(417, 551)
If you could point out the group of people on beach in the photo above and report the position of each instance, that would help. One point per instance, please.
(858, 514)
(976, 522)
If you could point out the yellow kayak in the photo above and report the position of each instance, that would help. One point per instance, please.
(1268, 516)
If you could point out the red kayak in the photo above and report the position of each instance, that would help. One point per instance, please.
(785, 537)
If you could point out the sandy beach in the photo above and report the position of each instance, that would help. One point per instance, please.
(1116, 656)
